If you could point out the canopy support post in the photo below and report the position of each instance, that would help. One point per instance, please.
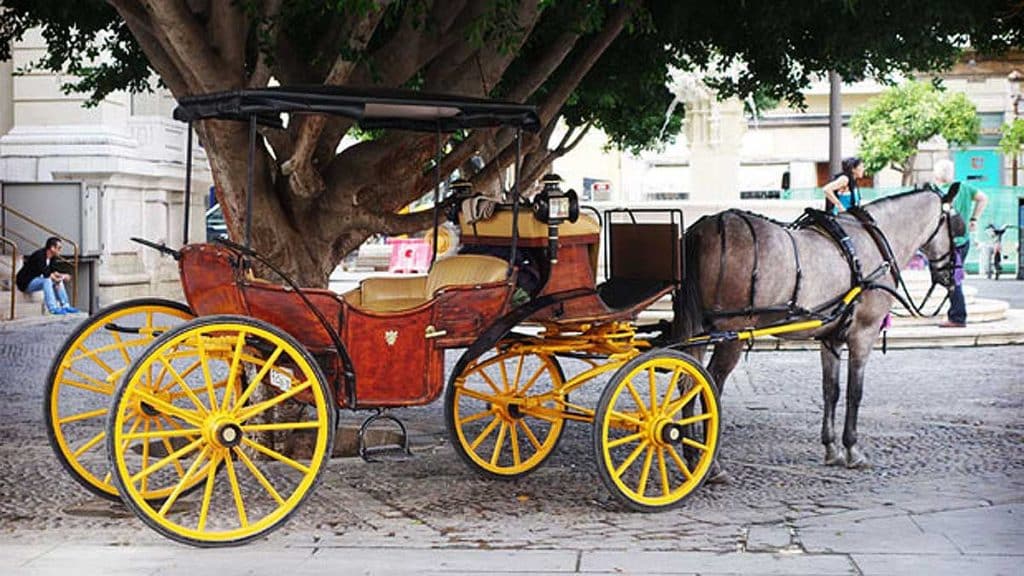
(250, 169)
(188, 181)
(437, 188)
(515, 202)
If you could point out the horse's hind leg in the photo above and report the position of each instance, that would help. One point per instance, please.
(830, 364)
(860, 343)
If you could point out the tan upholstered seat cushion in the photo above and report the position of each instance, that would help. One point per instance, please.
(500, 226)
(394, 294)
(465, 270)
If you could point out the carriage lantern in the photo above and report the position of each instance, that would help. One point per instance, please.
(553, 206)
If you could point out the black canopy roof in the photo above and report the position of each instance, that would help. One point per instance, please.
(370, 107)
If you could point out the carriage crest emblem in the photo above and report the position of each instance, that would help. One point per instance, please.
(391, 336)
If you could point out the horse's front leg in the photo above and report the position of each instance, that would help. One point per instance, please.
(830, 363)
(860, 342)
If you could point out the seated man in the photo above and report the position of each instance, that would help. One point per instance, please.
(39, 273)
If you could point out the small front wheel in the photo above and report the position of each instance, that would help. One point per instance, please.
(504, 412)
(209, 388)
(656, 430)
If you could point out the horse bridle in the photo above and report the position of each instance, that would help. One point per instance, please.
(945, 262)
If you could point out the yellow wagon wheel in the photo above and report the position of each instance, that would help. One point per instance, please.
(82, 379)
(503, 413)
(656, 430)
(254, 471)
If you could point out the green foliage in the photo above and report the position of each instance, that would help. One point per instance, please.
(892, 125)
(771, 50)
(1012, 142)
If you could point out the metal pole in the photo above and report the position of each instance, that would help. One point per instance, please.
(188, 180)
(835, 124)
(249, 181)
(515, 201)
(437, 187)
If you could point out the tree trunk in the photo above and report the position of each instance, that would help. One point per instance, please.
(908, 170)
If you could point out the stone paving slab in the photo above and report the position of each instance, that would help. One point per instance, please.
(937, 565)
(991, 530)
(637, 562)
(890, 535)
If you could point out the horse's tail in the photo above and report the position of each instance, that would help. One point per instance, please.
(692, 322)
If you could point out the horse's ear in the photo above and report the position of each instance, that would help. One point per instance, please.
(951, 193)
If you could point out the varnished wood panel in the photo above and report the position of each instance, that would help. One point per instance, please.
(208, 277)
(465, 311)
(283, 308)
(406, 371)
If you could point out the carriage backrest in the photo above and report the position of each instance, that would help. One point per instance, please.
(465, 269)
(645, 251)
(209, 276)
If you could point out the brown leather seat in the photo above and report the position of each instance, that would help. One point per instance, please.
(396, 294)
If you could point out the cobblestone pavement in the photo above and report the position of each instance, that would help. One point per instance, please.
(944, 430)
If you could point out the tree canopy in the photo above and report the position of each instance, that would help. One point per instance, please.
(892, 125)
(602, 63)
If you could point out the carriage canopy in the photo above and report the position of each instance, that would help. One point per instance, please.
(371, 108)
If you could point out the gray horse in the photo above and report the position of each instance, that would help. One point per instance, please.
(744, 271)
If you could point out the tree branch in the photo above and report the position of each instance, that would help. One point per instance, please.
(261, 71)
(227, 29)
(184, 39)
(138, 22)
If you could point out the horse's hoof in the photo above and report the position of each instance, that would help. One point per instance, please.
(856, 459)
(833, 457)
(717, 474)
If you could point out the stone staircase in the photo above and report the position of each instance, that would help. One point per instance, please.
(25, 305)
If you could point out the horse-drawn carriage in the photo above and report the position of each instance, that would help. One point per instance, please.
(234, 396)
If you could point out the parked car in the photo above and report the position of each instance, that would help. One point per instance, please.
(215, 225)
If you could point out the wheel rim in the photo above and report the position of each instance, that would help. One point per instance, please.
(658, 431)
(222, 432)
(504, 412)
(83, 379)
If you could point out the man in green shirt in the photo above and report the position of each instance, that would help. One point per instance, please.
(969, 204)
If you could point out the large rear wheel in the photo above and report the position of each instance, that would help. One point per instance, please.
(82, 379)
(656, 430)
(226, 376)
(503, 412)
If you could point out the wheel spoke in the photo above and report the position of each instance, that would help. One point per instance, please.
(529, 434)
(513, 438)
(121, 347)
(275, 455)
(184, 374)
(665, 488)
(529, 383)
(91, 355)
(201, 349)
(477, 395)
(499, 443)
(677, 405)
(519, 372)
(240, 401)
(672, 383)
(145, 454)
(184, 481)
(281, 426)
(652, 385)
(168, 408)
(168, 447)
(694, 444)
(630, 459)
(504, 376)
(176, 455)
(233, 371)
(475, 417)
(259, 476)
(204, 508)
(94, 385)
(624, 440)
(485, 433)
(154, 435)
(693, 419)
(184, 386)
(679, 463)
(614, 414)
(645, 470)
(91, 443)
(83, 416)
(256, 409)
(489, 381)
(641, 405)
(236, 491)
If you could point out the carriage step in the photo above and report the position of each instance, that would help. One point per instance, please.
(381, 426)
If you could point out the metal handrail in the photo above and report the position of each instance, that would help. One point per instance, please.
(14, 268)
(74, 270)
